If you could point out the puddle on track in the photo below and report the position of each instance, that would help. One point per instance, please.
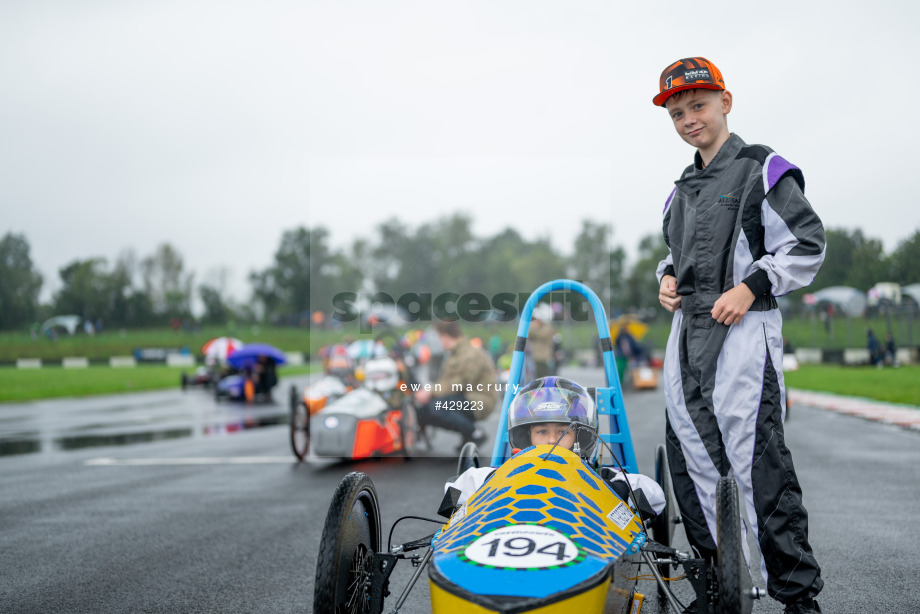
(128, 432)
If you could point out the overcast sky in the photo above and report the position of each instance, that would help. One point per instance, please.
(217, 125)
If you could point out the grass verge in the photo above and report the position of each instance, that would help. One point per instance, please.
(901, 385)
(56, 382)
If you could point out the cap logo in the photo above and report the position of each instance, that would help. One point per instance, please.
(667, 84)
(549, 406)
(697, 74)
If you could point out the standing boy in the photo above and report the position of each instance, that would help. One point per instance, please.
(739, 233)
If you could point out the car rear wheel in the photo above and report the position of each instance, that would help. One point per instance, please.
(662, 528)
(293, 397)
(469, 457)
(408, 431)
(733, 575)
(300, 430)
(351, 536)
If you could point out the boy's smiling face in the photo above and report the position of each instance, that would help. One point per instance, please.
(699, 116)
(548, 432)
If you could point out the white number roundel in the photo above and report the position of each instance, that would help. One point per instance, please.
(522, 546)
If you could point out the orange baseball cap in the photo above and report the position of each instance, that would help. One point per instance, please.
(688, 74)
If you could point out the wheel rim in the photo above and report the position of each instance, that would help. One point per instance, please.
(359, 582)
(353, 590)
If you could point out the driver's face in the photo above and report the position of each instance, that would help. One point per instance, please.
(549, 432)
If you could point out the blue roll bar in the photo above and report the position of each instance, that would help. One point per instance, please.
(609, 399)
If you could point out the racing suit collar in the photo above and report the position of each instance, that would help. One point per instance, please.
(696, 176)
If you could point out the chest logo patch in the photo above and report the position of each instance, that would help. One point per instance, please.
(731, 203)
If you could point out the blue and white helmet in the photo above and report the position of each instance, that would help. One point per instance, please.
(552, 399)
(381, 374)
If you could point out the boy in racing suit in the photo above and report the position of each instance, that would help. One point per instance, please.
(739, 233)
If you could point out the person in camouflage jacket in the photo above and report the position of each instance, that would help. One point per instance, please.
(467, 389)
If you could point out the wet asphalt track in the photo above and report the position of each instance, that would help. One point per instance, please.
(167, 502)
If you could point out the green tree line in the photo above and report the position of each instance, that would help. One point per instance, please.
(398, 258)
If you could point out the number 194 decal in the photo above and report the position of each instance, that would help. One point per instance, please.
(523, 546)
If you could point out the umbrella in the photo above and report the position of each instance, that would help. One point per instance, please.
(633, 325)
(250, 353)
(220, 347)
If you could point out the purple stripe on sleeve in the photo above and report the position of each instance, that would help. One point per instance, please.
(778, 167)
(668, 202)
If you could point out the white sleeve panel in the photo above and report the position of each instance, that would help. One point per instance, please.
(669, 261)
(786, 272)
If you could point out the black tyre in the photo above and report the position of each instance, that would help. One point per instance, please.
(426, 434)
(425, 431)
(662, 528)
(408, 431)
(469, 457)
(293, 398)
(184, 381)
(734, 578)
(351, 534)
(300, 430)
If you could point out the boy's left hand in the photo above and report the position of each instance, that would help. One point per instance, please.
(731, 306)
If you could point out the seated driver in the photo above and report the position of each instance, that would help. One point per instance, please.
(540, 414)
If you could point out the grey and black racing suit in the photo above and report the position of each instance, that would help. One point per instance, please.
(741, 219)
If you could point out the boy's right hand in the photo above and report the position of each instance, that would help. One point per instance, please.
(667, 293)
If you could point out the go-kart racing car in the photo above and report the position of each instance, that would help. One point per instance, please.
(338, 380)
(303, 406)
(545, 532)
(377, 418)
(215, 366)
(255, 364)
(203, 376)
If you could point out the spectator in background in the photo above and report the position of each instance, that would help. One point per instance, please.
(318, 319)
(264, 376)
(627, 347)
(540, 344)
(496, 347)
(891, 350)
(464, 392)
(875, 349)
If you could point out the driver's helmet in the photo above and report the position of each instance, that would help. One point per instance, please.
(341, 366)
(552, 399)
(381, 374)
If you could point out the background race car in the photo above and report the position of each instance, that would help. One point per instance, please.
(359, 411)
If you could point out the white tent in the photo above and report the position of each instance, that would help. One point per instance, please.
(70, 323)
(913, 291)
(850, 301)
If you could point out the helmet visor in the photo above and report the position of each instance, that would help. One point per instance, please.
(551, 404)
